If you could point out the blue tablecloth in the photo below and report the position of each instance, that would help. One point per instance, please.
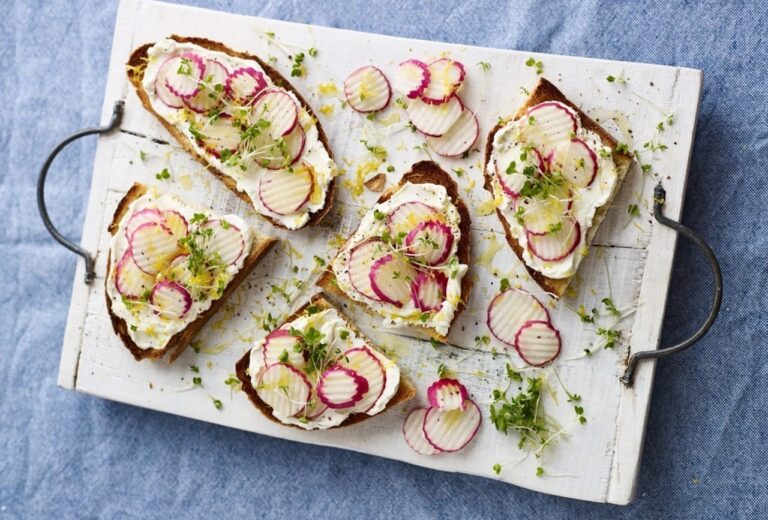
(68, 455)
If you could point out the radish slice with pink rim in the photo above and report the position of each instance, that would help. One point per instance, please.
(176, 222)
(538, 343)
(428, 291)
(412, 78)
(446, 77)
(143, 216)
(452, 430)
(130, 281)
(542, 215)
(434, 120)
(511, 177)
(510, 310)
(285, 151)
(226, 241)
(284, 192)
(367, 90)
(547, 124)
(208, 97)
(552, 247)
(220, 135)
(277, 344)
(185, 74)
(459, 138)
(361, 259)
(367, 364)
(153, 246)
(178, 271)
(413, 432)
(340, 387)
(277, 108)
(408, 215)
(447, 394)
(576, 161)
(430, 242)
(314, 409)
(244, 84)
(170, 300)
(285, 389)
(161, 89)
(391, 277)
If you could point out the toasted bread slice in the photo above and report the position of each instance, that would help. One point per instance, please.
(135, 70)
(546, 91)
(260, 245)
(405, 392)
(424, 172)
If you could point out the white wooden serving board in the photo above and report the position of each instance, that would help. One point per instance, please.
(631, 259)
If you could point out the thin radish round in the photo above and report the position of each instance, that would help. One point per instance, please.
(143, 216)
(552, 247)
(361, 259)
(176, 222)
(511, 173)
(452, 430)
(280, 343)
(179, 271)
(244, 84)
(510, 310)
(314, 409)
(366, 364)
(185, 74)
(340, 387)
(277, 108)
(367, 90)
(212, 89)
(445, 78)
(225, 243)
(537, 342)
(285, 389)
(408, 215)
(428, 290)
(547, 124)
(434, 120)
(412, 78)
(130, 281)
(459, 138)
(220, 135)
(170, 300)
(430, 242)
(447, 394)
(153, 247)
(391, 277)
(576, 161)
(161, 89)
(285, 192)
(284, 151)
(543, 215)
(413, 431)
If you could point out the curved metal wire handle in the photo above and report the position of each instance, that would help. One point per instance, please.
(117, 115)
(659, 195)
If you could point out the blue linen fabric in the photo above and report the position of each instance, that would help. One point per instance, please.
(67, 455)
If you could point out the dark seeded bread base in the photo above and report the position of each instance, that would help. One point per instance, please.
(135, 71)
(424, 172)
(260, 245)
(405, 391)
(546, 91)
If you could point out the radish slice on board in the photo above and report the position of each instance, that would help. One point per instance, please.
(459, 138)
(278, 109)
(161, 89)
(361, 259)
(285, 151)
(277, 344)
(537, 342)
(245, 83)
(391, 277)
(176, 222)
(285, 192)
(340, 387)
(367, 90)
(451, 430)
(153, 247)
(434, 120)
(220, 135)
(428, 290)
(430, 242)
(408, 215)
(547, 124)
(412, 78)
(366, 364)
(552, 247)
(445, 78)
(541, 214)
(130, 281)
(413, 431)
(225, 242)
(208, 97)
(143, 216)
(511, 310)
(576, 161)
(185, 74)
(447, 394)
(285, 389)
(170, 299)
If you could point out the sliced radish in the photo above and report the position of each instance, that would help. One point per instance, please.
(153, 247)
(434, 120)
(428, 290)
(161, 88)
(361, 259)
(285, 151)
(365, 363)
(130, 281)
(408, 215)
(413, 431)
(459, 138)
(541, 214)
(143, 216)
(285, 389)
(277, 344)
(179, 271)
(447, 394)
(547, 124)
(314, 409)
(412, 78)
(430, 242)
(221, 134)
(211, 91)
(391, 277)
(245, 83)
(452, 430)
(445, 78)
(511, 176)
(226, 241)
(285, 192)
(176, 222)
(552, 247)
(278, 109)
(510, 310)
(537, 342)
(170, 300)
(340, 387)
(367, 90)
(185, 74)
(576, 161)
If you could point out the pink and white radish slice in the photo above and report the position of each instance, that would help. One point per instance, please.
(244, 84)
(514, 181)
(170, 300)
(459, 138)
(408, 215)
(143, 216)
(510, 310)
(446, 77)
(184, 75)
(447, 394)
(361, 259)
(277, 108)
(178, 271)
(279, 342)
(552, 247)
(576, 161)
(366, 364)
(391, 277)
(339, 387)
(284, 151)
(537, 342)
(547, 124)
(412, 78)
(208, 98)
(428, 291)
(161, 88)
(430, 242)
(541, 214)
(220, 135)
(284, 192)
(285, 389)
(153, 246)
(367, 90)
(130, 281)
(434, 120)
(176, 222)
(225, 242)
(413, 431)
(452, 430)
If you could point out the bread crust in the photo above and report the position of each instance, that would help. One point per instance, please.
(135, 70)
(423, 172)
(260, 245)
(405, 391)
(546, 91)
